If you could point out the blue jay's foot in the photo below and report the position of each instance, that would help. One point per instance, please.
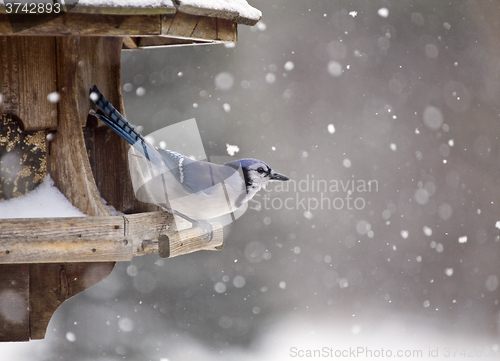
(207, 227)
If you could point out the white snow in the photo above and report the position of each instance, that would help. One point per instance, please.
(492, 283)
(220, 287)
(261, 26)
(462, 239)
(334, 68)
(239, 7)
(239, 281)
(53, 97)
(232, 149)
(431, 51)
(128, 87)
(432, 117)
(331, 128)
(94, 96)
(383, 12)
(140, 91)
(224, 80)
(270, 78)
(45, 201)
(128, 3)
(289, 65)
(287, 338)
(497, 225)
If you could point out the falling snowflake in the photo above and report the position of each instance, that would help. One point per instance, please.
(232, 149)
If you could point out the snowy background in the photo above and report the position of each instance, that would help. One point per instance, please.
(401, 95)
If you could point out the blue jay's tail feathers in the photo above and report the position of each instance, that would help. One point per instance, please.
(109, 115)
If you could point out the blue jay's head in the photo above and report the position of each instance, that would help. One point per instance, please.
(257, 174)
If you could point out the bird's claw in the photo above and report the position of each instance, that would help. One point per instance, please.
(207, 227)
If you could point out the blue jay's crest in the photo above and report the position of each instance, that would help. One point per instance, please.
(195, 190)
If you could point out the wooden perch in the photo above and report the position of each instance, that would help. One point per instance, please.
(100, 239)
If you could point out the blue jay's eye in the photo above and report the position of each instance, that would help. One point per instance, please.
(260, 170)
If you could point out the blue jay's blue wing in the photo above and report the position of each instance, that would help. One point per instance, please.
(194, 175)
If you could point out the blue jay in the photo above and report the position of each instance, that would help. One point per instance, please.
(194, 190)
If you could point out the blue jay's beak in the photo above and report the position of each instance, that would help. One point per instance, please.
(277, 176)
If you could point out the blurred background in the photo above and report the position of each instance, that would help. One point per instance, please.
(385, 114)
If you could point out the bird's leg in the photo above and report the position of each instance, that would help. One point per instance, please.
(209, 231)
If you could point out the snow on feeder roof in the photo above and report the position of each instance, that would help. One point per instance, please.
(141, 23)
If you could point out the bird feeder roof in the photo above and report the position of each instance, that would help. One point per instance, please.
(238, 11)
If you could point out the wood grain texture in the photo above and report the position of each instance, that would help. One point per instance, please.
(78, 24)
(52, 284)
(130, 42)
(68, 162)
(109, 161)
(98, 63)
(27, 76)
(199, 28)
(64, 240)
(14, 303)
(227, 31)
(182, 25)
(206, 28)
(94, 239)
(123, 10)
(159, 30)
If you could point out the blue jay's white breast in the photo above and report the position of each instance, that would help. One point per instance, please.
(210, 202)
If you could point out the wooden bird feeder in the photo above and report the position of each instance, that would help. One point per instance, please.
(45, 261)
